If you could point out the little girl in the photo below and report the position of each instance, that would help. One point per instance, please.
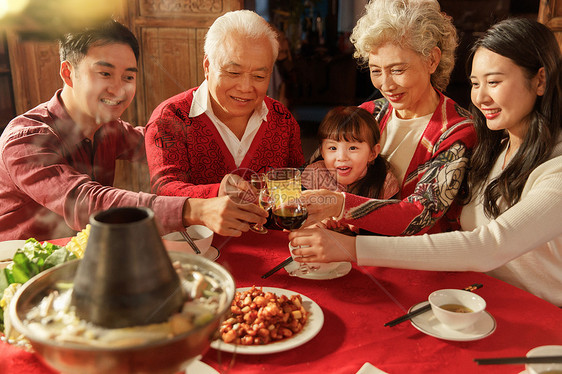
(348, 159)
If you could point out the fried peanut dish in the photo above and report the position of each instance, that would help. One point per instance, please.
(259, 317)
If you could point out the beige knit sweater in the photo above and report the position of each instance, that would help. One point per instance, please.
(523, 246)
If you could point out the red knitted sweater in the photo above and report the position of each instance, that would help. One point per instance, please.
(187, 156)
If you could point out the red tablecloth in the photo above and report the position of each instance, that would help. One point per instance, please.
(355, 308)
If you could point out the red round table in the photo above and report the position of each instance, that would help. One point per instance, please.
(355, 308)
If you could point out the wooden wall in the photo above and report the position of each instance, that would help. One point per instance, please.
(550, 13)
(35, 71)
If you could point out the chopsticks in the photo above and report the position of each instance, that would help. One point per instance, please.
(425, 308)
(188, 239)
(285, 262)
(519, 360)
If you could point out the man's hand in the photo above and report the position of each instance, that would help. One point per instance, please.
(223, 215)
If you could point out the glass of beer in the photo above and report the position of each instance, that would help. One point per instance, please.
(284, 185)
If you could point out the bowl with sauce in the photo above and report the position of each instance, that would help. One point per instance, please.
(456, 309)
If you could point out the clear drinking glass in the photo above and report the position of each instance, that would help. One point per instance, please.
(291, 216)
(258, 182)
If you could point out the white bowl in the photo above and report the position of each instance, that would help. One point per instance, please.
(545, 350)
(456, 320)
(201, 235)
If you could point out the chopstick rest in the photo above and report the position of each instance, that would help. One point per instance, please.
(519, 360)
(285, 262)
(425, 308)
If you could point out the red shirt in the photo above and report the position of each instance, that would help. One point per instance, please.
(52, 178)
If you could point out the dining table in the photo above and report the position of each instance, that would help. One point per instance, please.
(355, 308)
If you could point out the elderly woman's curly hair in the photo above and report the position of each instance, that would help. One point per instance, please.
(415, 24)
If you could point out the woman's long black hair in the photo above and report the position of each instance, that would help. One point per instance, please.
(530, 45)
(354, 124)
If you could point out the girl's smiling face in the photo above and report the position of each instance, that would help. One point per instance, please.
(348, 161)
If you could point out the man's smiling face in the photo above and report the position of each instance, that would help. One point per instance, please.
(103, 84)
(238, 81)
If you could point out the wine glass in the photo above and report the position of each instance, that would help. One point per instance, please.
(291, 215)
(258, 181)
(264, 199)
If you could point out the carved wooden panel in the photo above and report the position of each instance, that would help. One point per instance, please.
(7, 104)
(550, 13)
(35, 71)
(179, 7)
(169, 58)
(200, 53)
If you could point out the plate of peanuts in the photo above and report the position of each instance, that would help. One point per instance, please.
(268, 320)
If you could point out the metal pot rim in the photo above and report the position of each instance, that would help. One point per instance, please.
(19, 325)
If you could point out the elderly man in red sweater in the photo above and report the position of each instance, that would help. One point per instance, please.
(227, 124)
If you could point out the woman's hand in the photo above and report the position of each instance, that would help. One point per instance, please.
(322, 204)
(322, 245)
(337, 226)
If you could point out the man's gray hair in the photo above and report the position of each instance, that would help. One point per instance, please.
(239, 23)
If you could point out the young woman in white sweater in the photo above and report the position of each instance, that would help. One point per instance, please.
(512, 221)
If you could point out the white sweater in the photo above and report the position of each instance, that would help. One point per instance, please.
(523, 246)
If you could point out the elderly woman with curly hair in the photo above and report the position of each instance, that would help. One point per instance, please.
(409, 47)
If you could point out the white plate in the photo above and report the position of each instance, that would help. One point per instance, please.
(428, 324)
(198, 367)
(311, 328)
(212, 253)
(342, 269)
(7, 250)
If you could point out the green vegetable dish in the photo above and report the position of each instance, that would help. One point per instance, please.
(28, 261)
